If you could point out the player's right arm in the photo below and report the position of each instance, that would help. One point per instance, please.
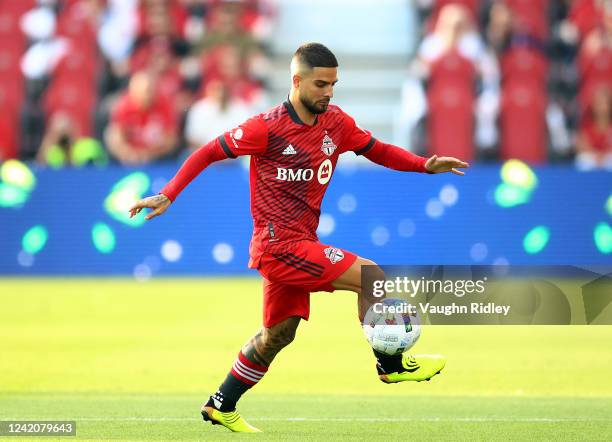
(250, 138)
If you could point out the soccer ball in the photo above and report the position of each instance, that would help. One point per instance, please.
(389, 328)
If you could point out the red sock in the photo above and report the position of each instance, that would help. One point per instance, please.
(247, 371)
(244, 375)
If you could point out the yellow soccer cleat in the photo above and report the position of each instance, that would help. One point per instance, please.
(416, 368)
(229, 419)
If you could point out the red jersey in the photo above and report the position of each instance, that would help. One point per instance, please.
(144, 127)
(291, 166)
(599, 139)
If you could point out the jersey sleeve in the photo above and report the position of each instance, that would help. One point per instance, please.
(249, 138)
(355, 138)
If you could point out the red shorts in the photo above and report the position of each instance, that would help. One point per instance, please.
(293, 271)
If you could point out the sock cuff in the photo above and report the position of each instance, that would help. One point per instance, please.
(250, 364)
(247, 371)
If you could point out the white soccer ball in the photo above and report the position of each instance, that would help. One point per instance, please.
(389, 328)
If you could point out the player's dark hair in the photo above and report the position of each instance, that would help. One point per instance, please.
(316, 55)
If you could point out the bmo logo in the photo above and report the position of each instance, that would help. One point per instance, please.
(283, 174)
(323, 174)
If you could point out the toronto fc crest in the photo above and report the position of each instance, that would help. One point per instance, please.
(328, 145)
(334, 254)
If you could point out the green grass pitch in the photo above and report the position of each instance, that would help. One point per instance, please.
(134, 361)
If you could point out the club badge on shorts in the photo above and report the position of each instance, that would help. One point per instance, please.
(334, 254)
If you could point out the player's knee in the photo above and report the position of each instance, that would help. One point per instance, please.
(373, 270)
(278, 337)
(278, 340)
(370, 272)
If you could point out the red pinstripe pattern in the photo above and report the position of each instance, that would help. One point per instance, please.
(293, 205)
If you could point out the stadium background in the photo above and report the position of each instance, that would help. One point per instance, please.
(510, 85)
(446, 86)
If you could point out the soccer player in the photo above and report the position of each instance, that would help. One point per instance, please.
(294, 148)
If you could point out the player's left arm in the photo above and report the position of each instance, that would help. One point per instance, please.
(363, 143)
(396, 158)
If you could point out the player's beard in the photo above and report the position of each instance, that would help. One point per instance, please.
(315, 107)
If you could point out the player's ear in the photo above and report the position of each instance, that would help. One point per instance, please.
(295, 79)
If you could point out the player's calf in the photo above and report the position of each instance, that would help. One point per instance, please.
(248, 369)
(268, 342)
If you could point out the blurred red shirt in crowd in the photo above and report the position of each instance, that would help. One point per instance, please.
(594, 143)
(586, 15)
(224, 63)
(156, 55)
(161, 17)
(143, 124)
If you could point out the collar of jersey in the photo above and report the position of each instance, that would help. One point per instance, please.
(295, 117)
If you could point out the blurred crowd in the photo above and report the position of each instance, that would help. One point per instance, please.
(500, 79)
(135, 81)
(128, 80)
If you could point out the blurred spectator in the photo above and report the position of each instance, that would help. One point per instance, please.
(225, 64)
(584, 17)
(159, 59)
(214, 114)
(254, 16)
(563, 79)
(143, 125)
(224, 27)
(117, 31)
(60, 66)
(154, 31)
(530, 19)
(161, 17)
(594, 140)
(116, 37)
(47, 48)
(455, 39)
(78, 46)
(518, 31)
(229, 50)
(595, 57)
(454, 29)
(63, 146)
(499, 29)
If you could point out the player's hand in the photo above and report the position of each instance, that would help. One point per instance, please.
(437, 164)
(158, 204)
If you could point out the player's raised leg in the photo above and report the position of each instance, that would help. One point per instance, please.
(396, 368)
(248, 369)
